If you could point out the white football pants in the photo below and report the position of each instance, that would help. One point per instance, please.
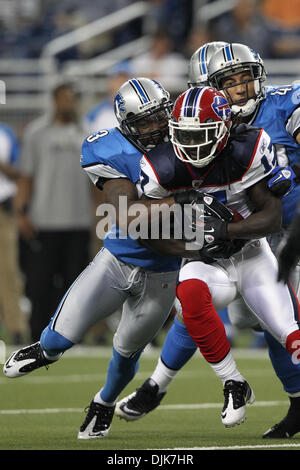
(251, 274)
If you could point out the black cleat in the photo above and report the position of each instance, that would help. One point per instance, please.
(139, 403)
(97, 422)
(289, 426)
(25, 360)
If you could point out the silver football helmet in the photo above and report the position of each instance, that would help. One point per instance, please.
(197, 68)
(143, 107)
(230, 60)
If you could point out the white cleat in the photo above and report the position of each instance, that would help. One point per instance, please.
(97, 422)
(237, 396)
(25, 360)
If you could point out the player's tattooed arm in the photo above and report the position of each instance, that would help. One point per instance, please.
(266, 218)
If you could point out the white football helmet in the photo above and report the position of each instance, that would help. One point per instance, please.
(230, 60)
(197, 69)
(142, 107)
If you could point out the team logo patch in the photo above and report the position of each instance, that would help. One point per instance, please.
(197, 183)
(208, 200)
(263, 146)
(287, 174)
(221, 107)
(209, 238)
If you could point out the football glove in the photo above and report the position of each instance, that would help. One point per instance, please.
(284, 179)
(222, 249)
(211, 205)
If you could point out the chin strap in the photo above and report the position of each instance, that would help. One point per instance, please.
(245, 110)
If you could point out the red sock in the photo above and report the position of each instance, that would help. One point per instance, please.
(202, 321)
(292, 345)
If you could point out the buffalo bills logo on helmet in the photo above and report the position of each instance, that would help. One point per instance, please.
(221, 107)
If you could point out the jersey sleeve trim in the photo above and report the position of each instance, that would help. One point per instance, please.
(101, 170)
(296, 132)
(153, 168)
(149, 182)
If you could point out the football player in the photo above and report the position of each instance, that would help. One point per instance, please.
(178, 346)
(123, 273)
(290, 254)
(242, 79)
(203, 155)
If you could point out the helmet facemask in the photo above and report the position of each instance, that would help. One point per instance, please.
(247, 104)
(143, 108)
(149, 128)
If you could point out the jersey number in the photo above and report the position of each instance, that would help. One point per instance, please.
(91, 138)
(281, 91)
(266, 163)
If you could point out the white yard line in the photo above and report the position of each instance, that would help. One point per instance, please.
(149, 352)
(196, 406)
(263, 446)
(48, 378)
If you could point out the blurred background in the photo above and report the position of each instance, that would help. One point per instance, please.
(93, 47)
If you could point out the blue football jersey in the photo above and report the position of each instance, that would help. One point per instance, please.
(279, 115)
(108, 154)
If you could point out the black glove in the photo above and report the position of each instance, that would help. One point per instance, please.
(212, 207)
(290, 253)
(188, 196)
(220, 250)
(214, 230)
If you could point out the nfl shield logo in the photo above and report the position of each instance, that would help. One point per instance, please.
(197, 183)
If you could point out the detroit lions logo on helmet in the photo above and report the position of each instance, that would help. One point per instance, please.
(221, 107)
(255, 54)
(166, 93)
(119, 103)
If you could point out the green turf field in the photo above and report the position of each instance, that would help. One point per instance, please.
(45, 409)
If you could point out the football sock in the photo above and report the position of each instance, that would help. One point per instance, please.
(163, 376)
(287, 372)
(227, 370)
(53, 344)
(97, 399)
(121, 371)
(202, 321)
(178, 347)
